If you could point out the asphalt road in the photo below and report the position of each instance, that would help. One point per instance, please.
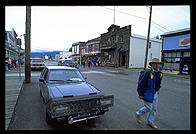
(173, 108)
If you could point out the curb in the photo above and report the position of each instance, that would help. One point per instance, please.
(14, 111)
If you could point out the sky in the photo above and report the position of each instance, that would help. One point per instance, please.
(57, 27)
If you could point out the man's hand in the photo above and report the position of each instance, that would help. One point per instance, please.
(140, 97)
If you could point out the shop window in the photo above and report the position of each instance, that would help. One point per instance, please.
(169, 54)
(173, 54)
(165, 54)
(178, 54)
(186, 54)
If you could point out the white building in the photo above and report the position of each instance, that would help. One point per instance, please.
(65, 55)
(76, 52)
(12, 44)
(138, 50)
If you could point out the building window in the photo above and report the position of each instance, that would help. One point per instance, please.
(178, 54)
(169, 54)
(173, 54)
(186, 54)
(121, 39)
(165, 54)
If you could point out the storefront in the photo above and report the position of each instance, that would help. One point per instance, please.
(176, 51)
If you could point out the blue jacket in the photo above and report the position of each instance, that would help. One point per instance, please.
(147, 85)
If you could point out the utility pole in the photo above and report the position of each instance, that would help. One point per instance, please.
(147, 43)
(28, 45)
(114, 15)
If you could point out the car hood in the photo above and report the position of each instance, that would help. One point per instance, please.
(71, 89)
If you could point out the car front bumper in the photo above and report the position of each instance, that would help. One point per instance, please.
(79, 116)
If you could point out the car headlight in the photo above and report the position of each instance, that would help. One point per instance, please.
(52, 107)
(105, 102)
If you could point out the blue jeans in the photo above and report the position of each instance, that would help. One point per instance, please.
(150, 108)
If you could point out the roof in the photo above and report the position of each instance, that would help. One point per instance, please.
(145, 38)
(176, 32)
(59, 67)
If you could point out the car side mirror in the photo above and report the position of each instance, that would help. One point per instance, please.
(41, 79)
(85, 78)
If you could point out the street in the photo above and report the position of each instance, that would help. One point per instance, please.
(173, 111)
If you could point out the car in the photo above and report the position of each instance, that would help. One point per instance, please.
(69, 63)
(60, 61)
(37, 63)
(69, 97)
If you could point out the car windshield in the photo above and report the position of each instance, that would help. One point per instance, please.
(37, 60)
(68, 75)
(69, 61)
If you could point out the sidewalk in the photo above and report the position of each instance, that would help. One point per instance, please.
(127, 71)
(12, 90)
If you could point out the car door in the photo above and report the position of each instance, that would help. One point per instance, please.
(44, 85)
(41, 83)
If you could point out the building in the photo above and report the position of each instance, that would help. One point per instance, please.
(138, 50)
(91, 49)
(13, 45)
(57, 57)
(65, 55)
(176, 50)
(114, 46)
(121, 48)
(76, 52)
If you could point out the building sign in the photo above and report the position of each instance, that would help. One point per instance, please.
(184, 41)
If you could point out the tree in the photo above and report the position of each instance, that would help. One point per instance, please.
(157, 37)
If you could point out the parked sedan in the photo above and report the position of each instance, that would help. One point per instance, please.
(68, 96)
(37, 63)
(69, 63)
(60, 61)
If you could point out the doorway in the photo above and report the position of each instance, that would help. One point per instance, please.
(122, 59)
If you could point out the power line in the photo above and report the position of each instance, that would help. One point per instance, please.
(139, 17)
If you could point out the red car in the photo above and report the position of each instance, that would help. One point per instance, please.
(37, 63)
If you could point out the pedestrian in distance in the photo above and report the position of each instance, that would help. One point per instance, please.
(83, 63)
(15, 62)
(9, 63)
(149, 84)
(89, 63)
(12, 62)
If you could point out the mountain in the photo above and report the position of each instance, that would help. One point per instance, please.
(42, 53)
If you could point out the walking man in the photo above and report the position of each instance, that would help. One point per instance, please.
(148, 89)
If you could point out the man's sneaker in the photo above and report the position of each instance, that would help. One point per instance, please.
(152, 125)
(138, 118)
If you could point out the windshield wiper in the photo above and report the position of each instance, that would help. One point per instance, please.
(75, 80)
(56, 80)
